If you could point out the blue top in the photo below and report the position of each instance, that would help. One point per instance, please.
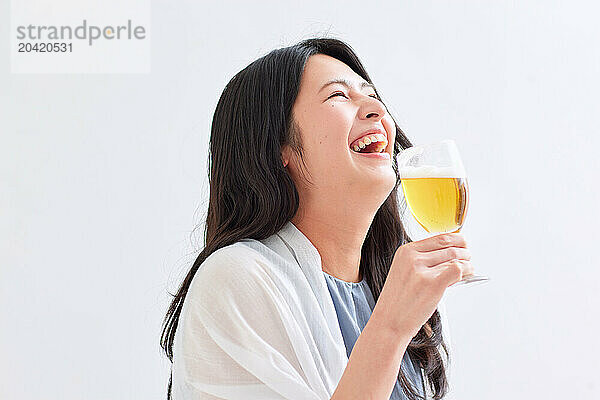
(354, 303)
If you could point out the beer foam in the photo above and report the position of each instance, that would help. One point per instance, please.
(430, 171)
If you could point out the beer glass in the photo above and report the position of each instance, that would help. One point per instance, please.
(434, 185)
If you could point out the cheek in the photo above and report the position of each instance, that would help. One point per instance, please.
(335, 116)
(331, 125)
(390, 128)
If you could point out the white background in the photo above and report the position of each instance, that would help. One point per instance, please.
(103, 178)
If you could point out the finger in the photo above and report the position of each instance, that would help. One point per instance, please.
(452, 271)
(465, 266)
(440, 241)
(435, 257)
(468, 269)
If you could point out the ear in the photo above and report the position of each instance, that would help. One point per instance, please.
(285, 155)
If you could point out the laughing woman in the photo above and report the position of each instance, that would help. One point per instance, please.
(307, 286)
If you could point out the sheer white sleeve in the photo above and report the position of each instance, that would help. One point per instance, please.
(240, 337)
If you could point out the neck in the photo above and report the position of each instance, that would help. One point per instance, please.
(338, 237)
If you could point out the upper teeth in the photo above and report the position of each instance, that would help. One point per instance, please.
(367, 140)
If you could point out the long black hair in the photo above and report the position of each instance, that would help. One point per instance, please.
(253, 196)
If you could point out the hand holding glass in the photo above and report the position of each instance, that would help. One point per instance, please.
(435, 187)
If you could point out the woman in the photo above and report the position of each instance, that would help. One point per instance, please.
(308, 286)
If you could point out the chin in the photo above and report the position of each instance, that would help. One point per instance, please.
(379, 186)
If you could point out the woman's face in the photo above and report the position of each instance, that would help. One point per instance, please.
(331, 117)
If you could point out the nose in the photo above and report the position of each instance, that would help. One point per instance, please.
(372, 109)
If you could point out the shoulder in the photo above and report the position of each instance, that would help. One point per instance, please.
(230, 269)
(232, 259)
(233, 282)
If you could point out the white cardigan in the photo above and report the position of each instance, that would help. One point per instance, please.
(258, 322)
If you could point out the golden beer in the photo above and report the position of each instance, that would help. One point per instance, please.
(439, 204)
(435, 188)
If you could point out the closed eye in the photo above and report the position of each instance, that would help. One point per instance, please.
(337, 93)
(342, 94)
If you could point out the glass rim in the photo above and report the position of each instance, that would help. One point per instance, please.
(455, 170)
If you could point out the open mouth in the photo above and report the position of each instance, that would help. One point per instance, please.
(375, 143)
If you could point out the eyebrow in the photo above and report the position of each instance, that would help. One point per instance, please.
(347, 83)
